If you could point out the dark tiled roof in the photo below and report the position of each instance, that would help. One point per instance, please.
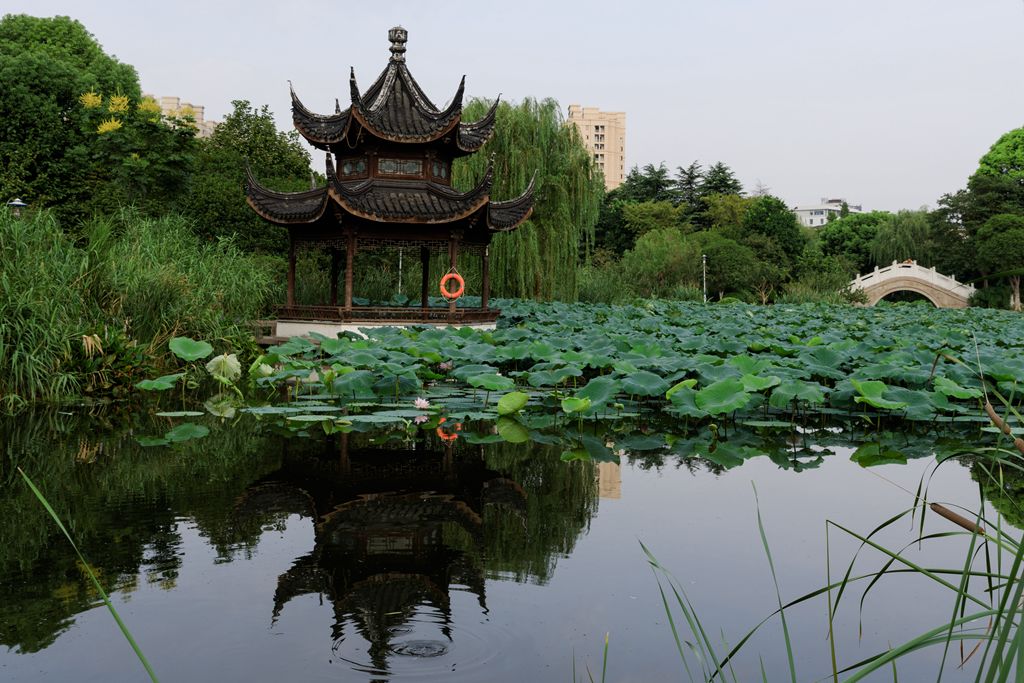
(285, 207)
(403, 201)
(508, 215)
(319, 129)
(472, 136)
(400, 111)
(394, 108)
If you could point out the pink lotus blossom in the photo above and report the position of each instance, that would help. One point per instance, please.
(446, 366)
(420, 419)
(421, 404)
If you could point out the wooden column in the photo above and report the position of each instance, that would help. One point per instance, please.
(291, 271)
(485, 293)
(350, 253)
(425, 264)
(335, 268)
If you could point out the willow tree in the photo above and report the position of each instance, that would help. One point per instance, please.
(539, 259)
(903, 235)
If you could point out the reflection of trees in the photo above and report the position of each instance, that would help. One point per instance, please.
(1008, 499)
(562, 498)
(123, 503)
(119, 500)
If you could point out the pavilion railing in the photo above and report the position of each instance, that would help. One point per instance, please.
(385, 314)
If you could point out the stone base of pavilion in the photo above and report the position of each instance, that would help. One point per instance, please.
(330, 321)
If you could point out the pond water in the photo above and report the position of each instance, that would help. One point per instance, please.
(254, 554)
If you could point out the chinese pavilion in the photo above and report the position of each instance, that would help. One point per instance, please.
(389, 164)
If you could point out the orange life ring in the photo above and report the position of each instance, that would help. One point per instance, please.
(445, 435)
(451, 296)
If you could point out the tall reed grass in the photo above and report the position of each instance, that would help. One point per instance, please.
(148, 278)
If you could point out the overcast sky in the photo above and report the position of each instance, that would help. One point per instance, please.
(888, 103)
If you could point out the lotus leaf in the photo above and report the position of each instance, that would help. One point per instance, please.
(512, 402)
(575, 405)
(189, 349)
(871, 393)
(491, 382)
(186, 432)
(644, 383)
(798, 390)
(950, 388)
(160, 383)
(685, 384)
(723, 396)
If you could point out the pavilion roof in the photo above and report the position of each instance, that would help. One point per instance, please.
(391, 201)
(395, 108)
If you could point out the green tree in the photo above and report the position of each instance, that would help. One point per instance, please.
(771, 217)
(720, 179)
(689, 184)
(1005, 157)
(731, 266)
(1001, 250)
(650, 184)
(724, 213)
(539, 259)
(903, 235)
(642, 217)
(851, 237)
(660, 262)
(217, 201)
(45, 66)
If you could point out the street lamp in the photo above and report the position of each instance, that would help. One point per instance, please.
(16, 205)
(704, 274)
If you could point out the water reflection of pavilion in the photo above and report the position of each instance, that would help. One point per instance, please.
(396, 531)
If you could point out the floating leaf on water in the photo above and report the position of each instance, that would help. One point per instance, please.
(189, 349)
(150, 441)
(160, 383)
(767, 424)
(186, 432)
(180, 413)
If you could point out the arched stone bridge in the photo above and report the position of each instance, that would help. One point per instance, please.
(907, 276)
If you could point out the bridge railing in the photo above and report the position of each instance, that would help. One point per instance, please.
(911, 269)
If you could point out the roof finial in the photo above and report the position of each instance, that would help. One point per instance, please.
(398, 36)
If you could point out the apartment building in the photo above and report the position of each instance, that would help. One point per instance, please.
(604, 134)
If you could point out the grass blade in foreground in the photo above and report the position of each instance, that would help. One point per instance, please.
(95, 581)
(775, 580)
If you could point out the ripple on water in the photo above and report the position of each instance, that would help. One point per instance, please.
(425, 645)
